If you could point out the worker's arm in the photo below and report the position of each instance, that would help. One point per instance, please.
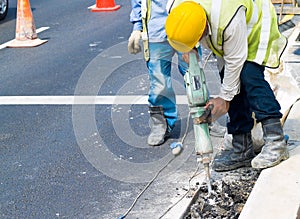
(235, 49)
(235, 54)
(134, 46)
(136, 15)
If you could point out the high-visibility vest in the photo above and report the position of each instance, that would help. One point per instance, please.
(265, 43)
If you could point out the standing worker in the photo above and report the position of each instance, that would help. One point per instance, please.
(148, 18)
(245, 37)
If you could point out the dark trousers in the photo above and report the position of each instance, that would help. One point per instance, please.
(255, 96)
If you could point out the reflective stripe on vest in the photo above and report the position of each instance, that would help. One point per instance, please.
(145, 18)
(265, 43)
(253, 20)
(214, 20)
(264, 34)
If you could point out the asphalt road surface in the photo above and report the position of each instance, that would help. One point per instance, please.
(73, 115)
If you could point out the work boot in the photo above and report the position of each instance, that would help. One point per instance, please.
(159, 127)
(275, 148)
(240, 155)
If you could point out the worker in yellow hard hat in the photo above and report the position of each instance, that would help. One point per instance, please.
(244, 36)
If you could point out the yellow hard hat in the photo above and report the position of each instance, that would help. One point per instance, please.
(185, 25)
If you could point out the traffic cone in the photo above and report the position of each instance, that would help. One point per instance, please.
(105, 5)
(26, 35)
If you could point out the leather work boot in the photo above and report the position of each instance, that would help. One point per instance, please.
(159, 127)
(275, 148)
(240, 155)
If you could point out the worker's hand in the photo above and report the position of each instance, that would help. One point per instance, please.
(186, 57)
(134, 46)
(220, 108)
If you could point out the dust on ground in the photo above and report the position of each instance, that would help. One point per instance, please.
(230, 191)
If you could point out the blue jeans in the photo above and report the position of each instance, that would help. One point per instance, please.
(255, 96)
(161, 92)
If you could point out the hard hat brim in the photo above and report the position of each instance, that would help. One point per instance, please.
(180, 47)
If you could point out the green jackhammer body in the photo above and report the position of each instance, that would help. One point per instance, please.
(198, 96)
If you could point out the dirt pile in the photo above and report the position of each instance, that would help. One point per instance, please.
(230, 191)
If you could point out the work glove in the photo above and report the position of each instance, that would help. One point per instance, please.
(134, 46)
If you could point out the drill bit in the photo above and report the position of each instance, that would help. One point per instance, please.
(208, 182)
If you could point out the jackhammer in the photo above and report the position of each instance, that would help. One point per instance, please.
(198, 96)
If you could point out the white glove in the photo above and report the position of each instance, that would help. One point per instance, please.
(134, 46)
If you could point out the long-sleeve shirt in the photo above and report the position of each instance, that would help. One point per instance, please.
(235, 49)
(156, 23)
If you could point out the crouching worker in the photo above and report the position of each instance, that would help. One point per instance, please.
(244, 36)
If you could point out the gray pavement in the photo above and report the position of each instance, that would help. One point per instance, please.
(60, 182)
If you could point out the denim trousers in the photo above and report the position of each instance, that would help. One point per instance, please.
(256, 96)
(161, 92)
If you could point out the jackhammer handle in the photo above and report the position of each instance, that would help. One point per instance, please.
(206, 116)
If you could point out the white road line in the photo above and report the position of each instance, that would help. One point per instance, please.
(4, 45)
(80, 100)
(41, 29)
(93, 6)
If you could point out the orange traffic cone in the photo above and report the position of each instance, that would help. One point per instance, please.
(105, 5)
(26, 35)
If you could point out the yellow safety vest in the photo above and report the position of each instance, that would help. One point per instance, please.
(265, 43)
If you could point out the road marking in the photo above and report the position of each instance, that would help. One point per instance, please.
(93, 6)
(41, 29)
(83, 100)
(80, 100)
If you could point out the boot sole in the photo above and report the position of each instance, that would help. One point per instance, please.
(283, 158)
(167, 135)
(233, 167)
